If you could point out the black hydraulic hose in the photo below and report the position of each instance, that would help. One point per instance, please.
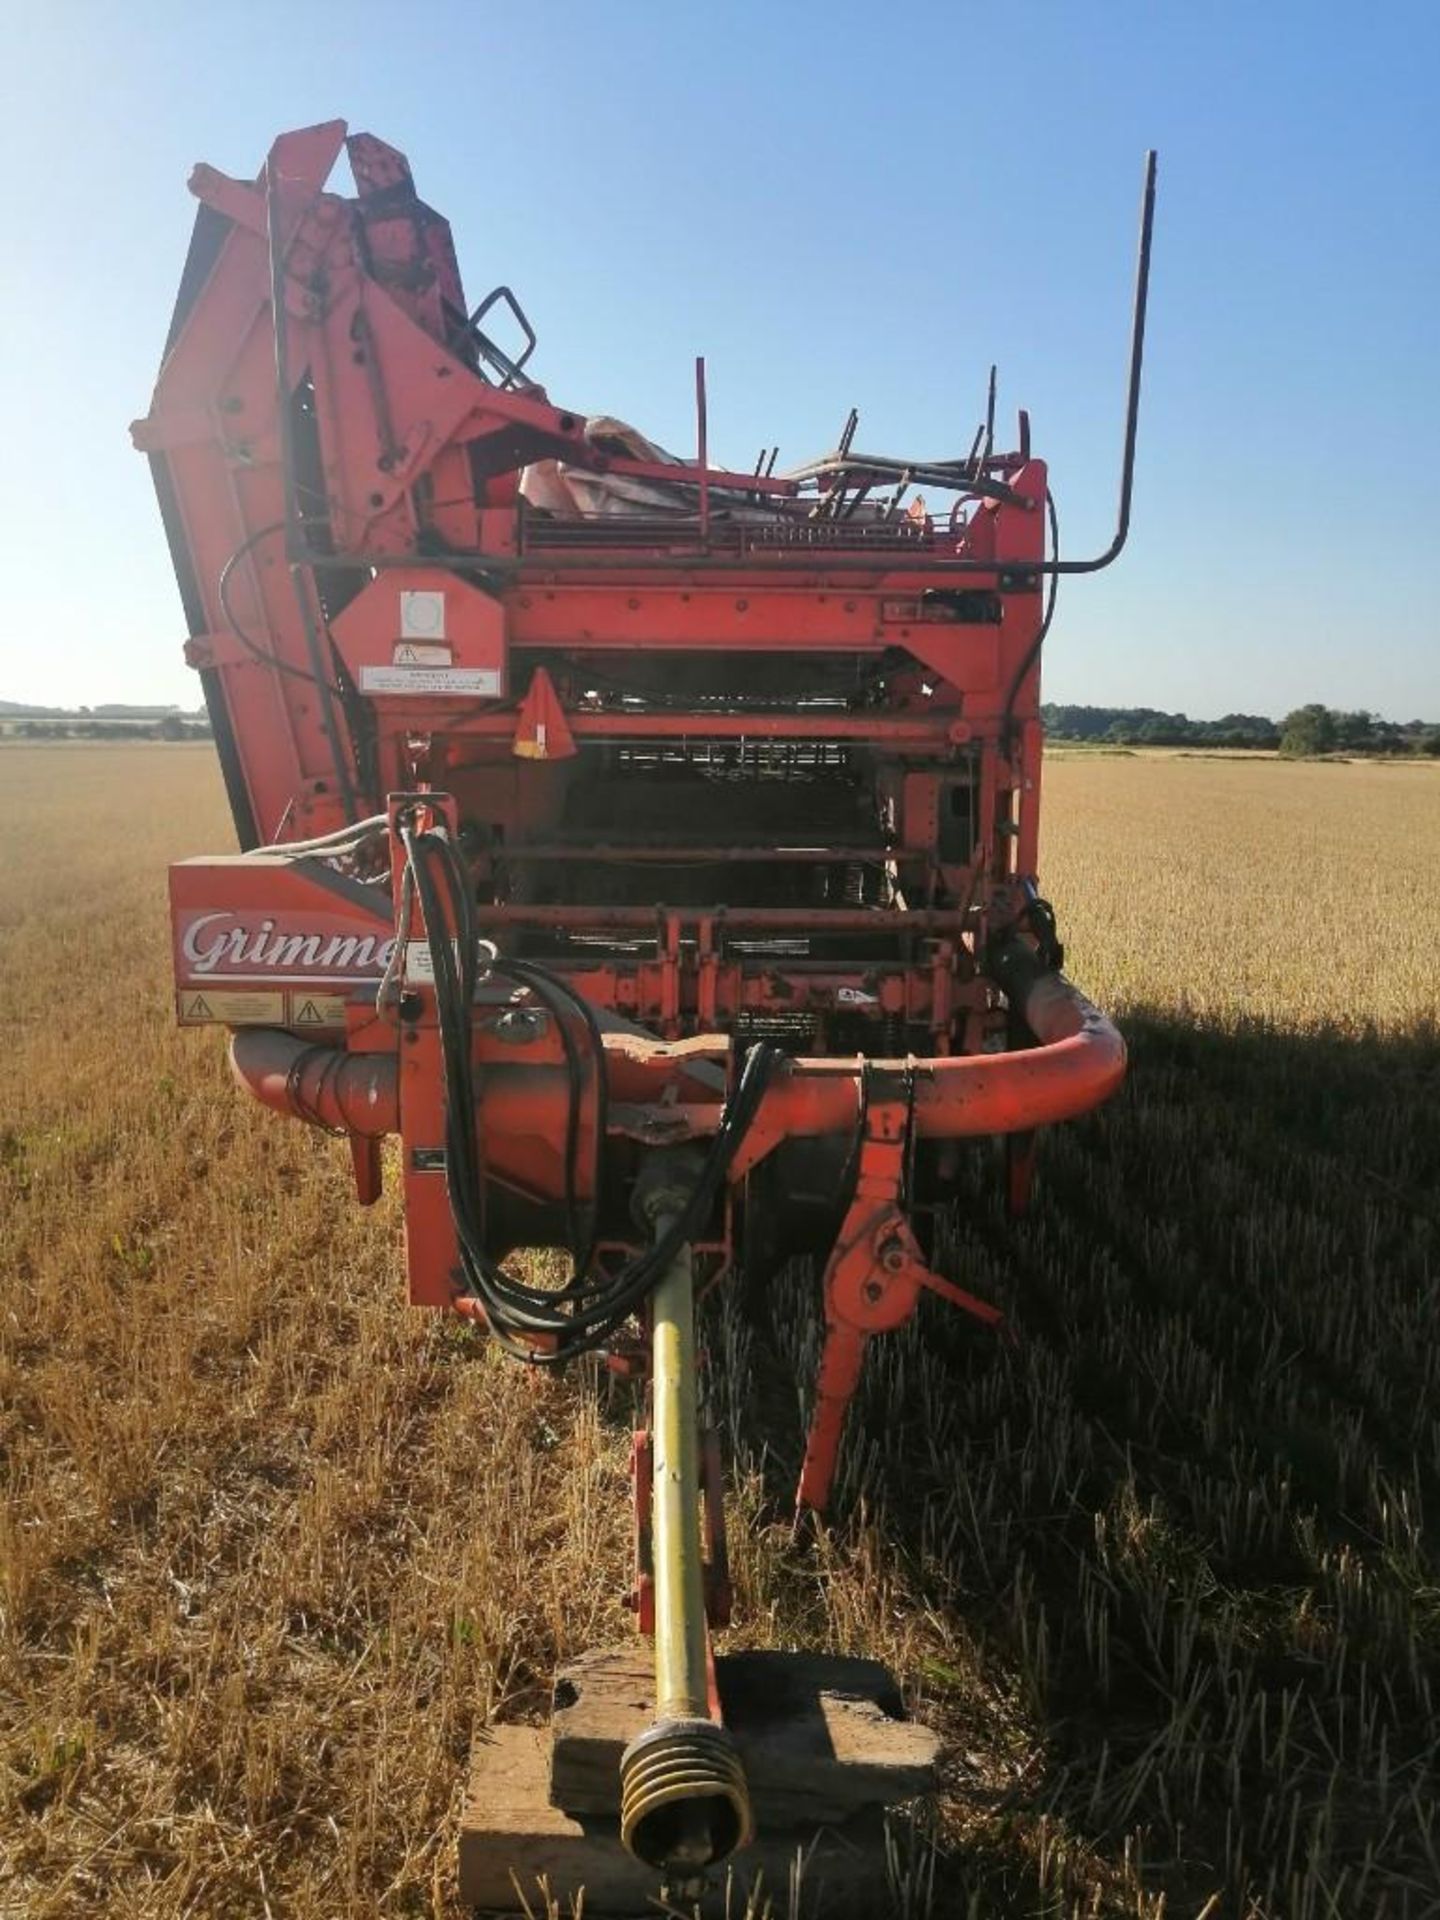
(265, 655)
(1032, 652)
(293, 527)
(1132, 398)
(585, 1314)
(555, 992)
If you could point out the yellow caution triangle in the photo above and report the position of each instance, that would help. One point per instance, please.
(309, 1015)
(197, 1007)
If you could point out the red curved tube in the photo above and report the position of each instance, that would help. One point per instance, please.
(1079, 1063)
(354, 1092)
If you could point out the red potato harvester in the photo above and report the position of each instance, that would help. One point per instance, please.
(650, 847)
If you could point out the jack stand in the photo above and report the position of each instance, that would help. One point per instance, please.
(874, 1278)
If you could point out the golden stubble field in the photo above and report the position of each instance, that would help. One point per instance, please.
(272, 1547)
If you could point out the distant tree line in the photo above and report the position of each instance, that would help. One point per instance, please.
(169, 726)
(1305, 733)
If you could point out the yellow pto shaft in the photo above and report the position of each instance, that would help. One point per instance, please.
(681, 1681)
(684, 1804)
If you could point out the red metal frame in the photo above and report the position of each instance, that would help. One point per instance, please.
(376, 611)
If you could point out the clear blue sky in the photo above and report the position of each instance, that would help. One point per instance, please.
(856, 204)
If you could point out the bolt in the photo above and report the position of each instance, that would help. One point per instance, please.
(892, 1256)
(873, 1291)
(520, 1025)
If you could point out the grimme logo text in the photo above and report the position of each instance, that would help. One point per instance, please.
(214, 943)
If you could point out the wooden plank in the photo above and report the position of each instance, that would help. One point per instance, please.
(512, 1838)
(820, 1735)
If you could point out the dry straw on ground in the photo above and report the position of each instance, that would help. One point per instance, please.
(272, 1546)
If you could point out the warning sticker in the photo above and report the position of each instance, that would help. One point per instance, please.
(219, 1006)
(420, 962)
(316, 1010)
(415, 653)
(481, 681)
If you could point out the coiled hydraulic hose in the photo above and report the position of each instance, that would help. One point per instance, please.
(539, 1325)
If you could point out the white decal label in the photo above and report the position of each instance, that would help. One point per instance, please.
(416, 653)
(422, 615)
(316, 1010)
(419, 964)
(232, 1009)
(482, 681)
